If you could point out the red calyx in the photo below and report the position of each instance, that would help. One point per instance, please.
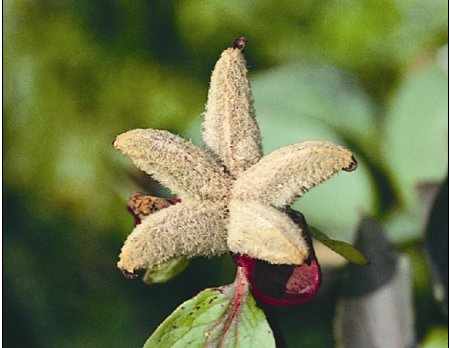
(281, 285)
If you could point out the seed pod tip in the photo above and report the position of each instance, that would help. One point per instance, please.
(239, 43)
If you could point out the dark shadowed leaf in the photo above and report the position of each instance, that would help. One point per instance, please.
(346, 250)
(213, 319)
(166, 271)
(436, 244)
(375, 310)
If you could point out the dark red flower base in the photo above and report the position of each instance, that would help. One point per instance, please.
(281, 285)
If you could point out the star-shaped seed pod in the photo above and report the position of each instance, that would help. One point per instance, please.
(232, 198)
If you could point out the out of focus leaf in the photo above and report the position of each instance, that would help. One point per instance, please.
(436, 338)
(415, 135)
(302, 102)
(421, 22)
(436, 244)
(375, 310)
(359, 35)
(364, 33)
(211, 319)
(415, 147)
(64, 110)
(442, 58)
(346, 250)
(166, 271)
(306, 97)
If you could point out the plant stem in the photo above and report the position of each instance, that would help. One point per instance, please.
(242, 281)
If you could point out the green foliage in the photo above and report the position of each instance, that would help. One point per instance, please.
(166, 271)
(415, 132)
(346, 250)
(436, 338)
(415, 142)
(330, 99)
(67, 99)
(204, 320)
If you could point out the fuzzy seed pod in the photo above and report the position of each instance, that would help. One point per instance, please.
(231, 198)
(176, 163)
(285, 174)
(229, 128)
(186, 229)
(265, 233)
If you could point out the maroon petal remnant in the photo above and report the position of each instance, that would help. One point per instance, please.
(281, 285)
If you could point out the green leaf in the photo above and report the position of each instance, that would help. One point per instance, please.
(166, 271)
(415, 134)
(437, 337)
(346, 250)
(211, 319)
(313, 99)
(76, 158)
(414, 146)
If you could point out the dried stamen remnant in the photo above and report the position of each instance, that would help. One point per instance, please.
(141, 205)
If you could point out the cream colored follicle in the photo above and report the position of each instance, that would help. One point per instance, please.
(176, 163)
(229, 127)
(287, 173)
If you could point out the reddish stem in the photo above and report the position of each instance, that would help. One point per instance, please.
(241, 286)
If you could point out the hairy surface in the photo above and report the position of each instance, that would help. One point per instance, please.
(176, 163)
(287, 173)
(265, 233)
(229, 128)
(187, 229)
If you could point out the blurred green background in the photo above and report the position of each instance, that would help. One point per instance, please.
(369, 74)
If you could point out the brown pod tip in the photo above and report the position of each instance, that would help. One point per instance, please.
(353, 165)
(239, 43)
